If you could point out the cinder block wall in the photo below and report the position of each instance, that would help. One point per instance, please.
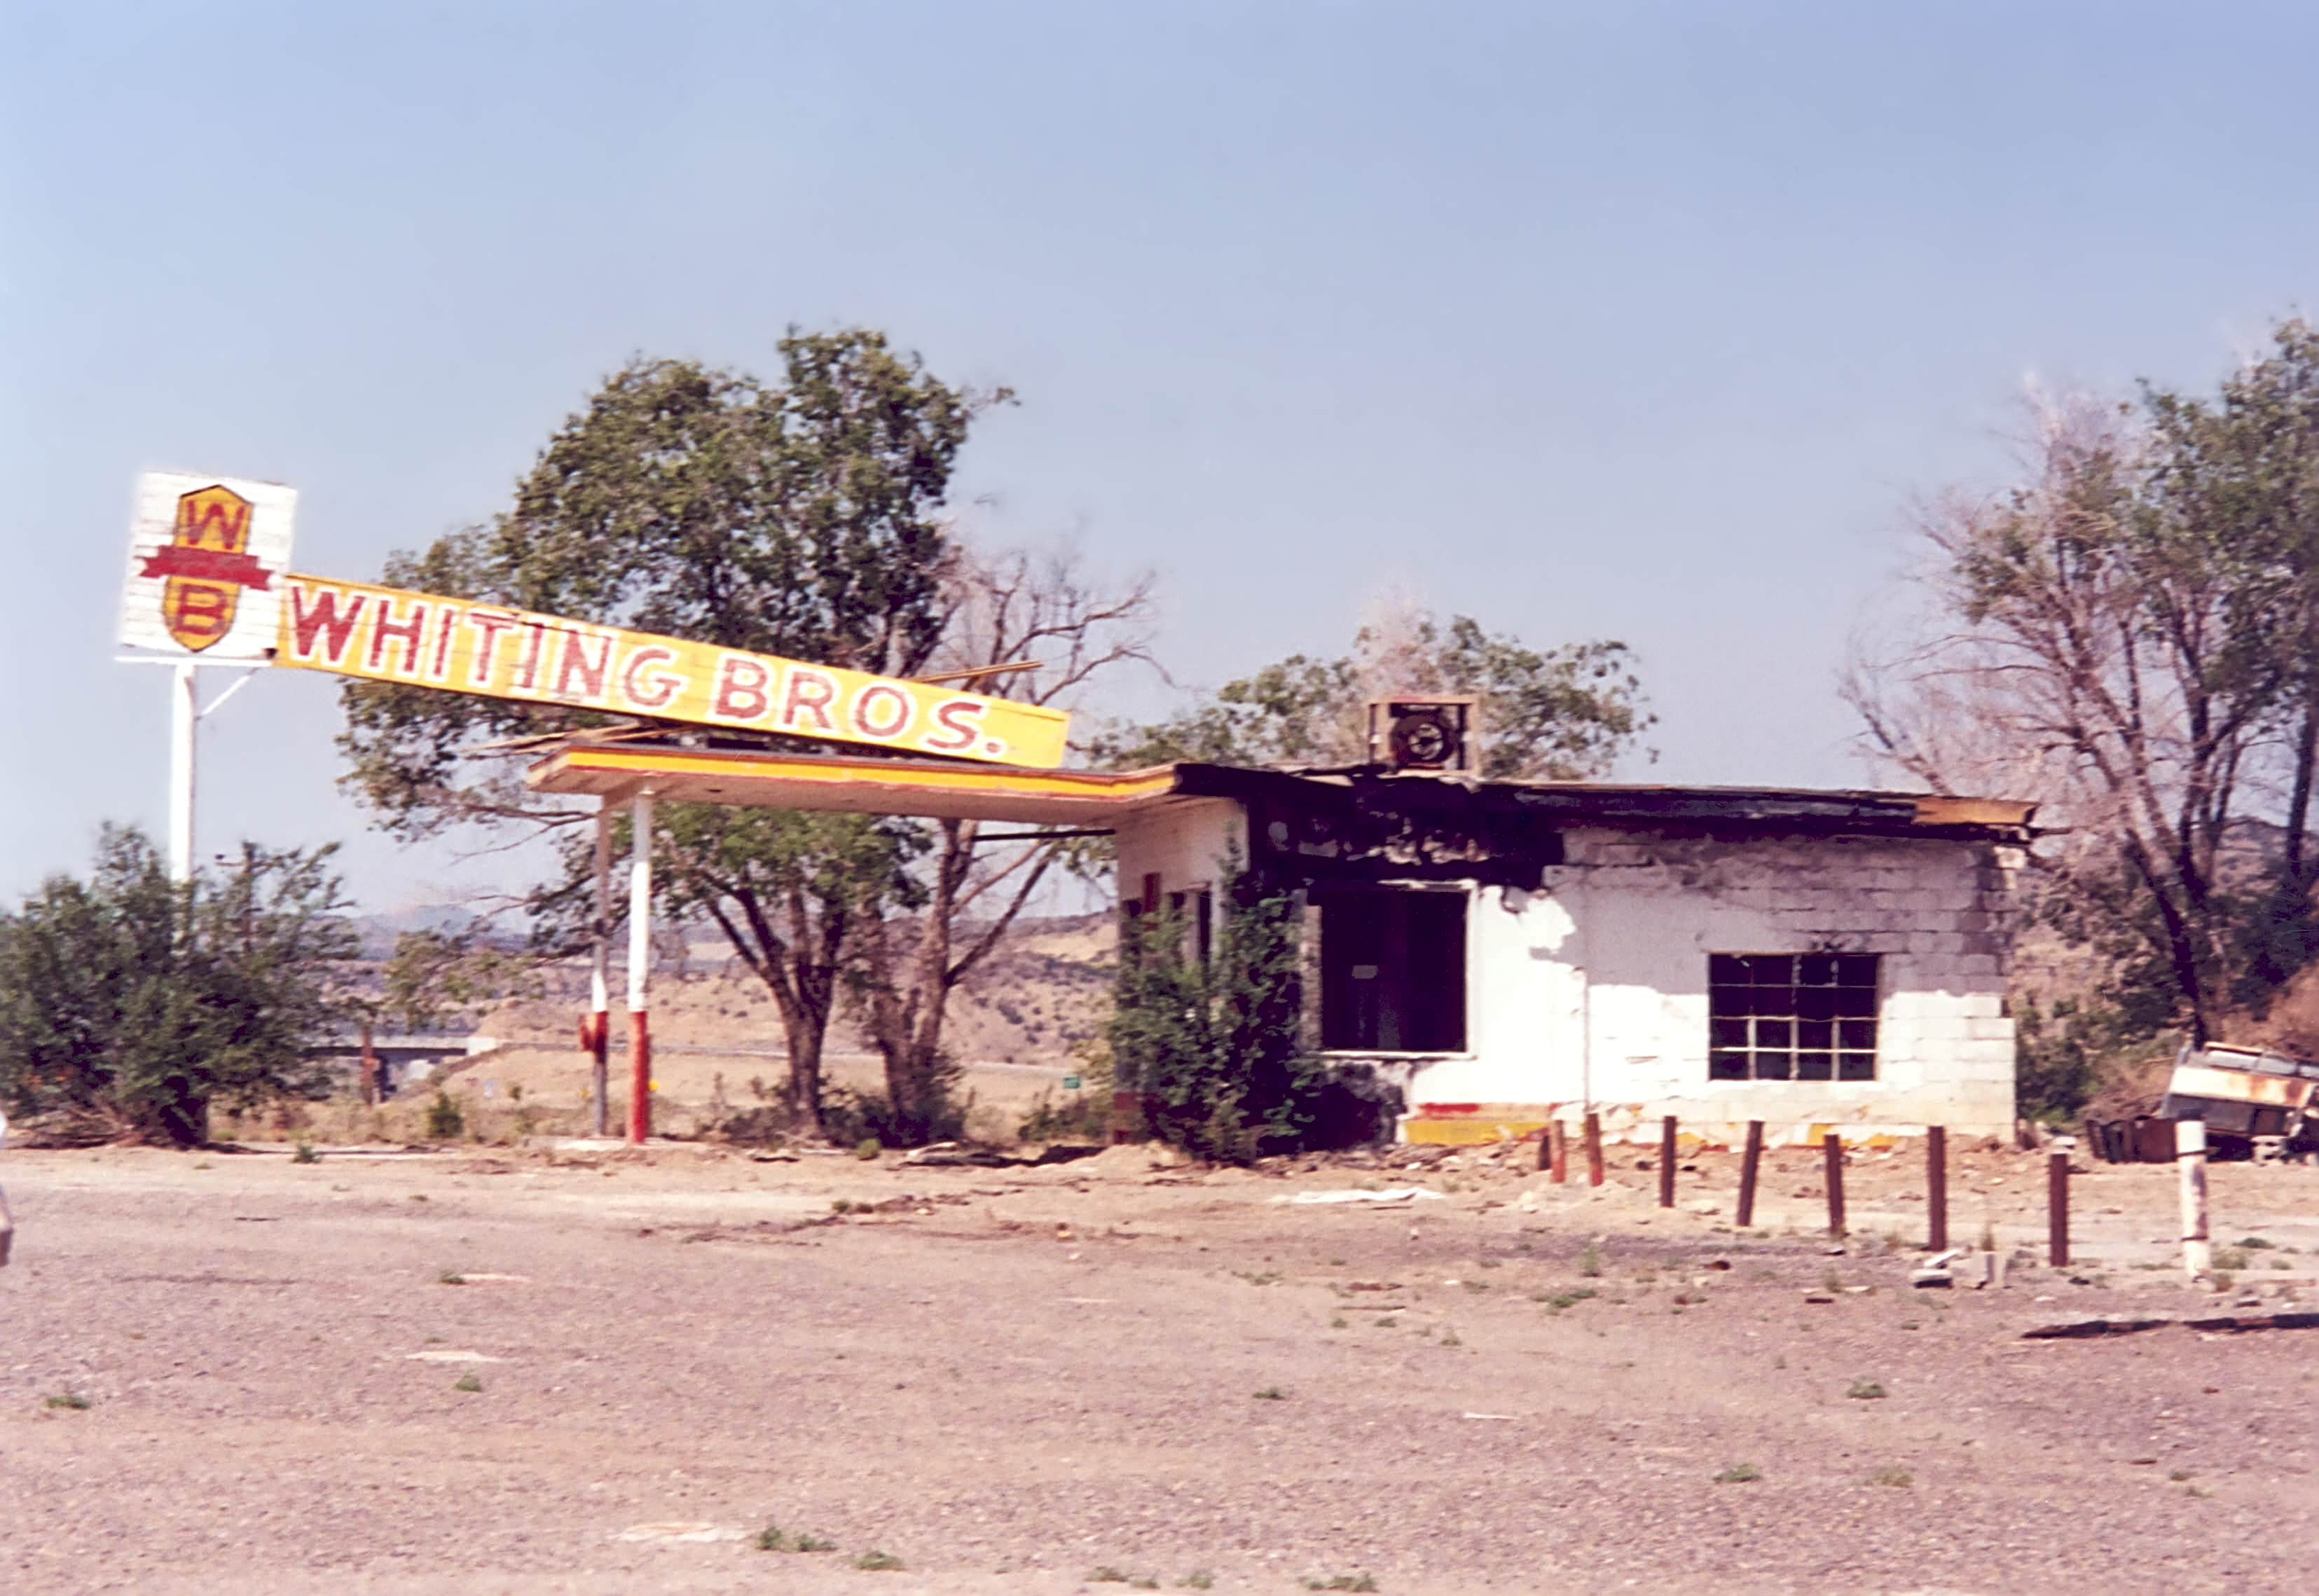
(1188, 846)
(1596, 986)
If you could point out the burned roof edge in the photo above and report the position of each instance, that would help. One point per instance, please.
(1729, 810)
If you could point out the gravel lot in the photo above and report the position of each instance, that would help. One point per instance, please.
(1020, 1379)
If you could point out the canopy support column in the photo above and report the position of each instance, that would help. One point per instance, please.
(597, 1034)
(640, 810)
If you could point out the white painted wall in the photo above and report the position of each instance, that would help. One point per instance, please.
(1188, 843)
(1596, 986)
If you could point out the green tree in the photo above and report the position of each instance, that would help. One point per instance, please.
(801, 518)
(2236, 478)
(1559, 714)
(2129, 633)
(130, 1003)
(1215, 1049)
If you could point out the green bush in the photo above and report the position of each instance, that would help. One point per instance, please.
(1215, 1049)
(129, 1003)
(444, 1122)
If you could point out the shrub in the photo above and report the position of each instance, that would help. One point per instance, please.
(129, 1003)
(1082, 1116)
(1215, 1049)
(444, 1122)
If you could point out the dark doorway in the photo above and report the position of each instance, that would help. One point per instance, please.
(1393, 970)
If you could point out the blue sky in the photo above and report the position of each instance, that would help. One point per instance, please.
(1633, 320)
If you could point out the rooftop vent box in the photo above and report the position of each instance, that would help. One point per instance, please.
(1425, 732)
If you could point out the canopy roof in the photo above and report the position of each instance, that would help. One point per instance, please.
(1104, 799)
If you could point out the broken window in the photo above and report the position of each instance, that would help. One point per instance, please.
(1393, 970)
(1791, 1016)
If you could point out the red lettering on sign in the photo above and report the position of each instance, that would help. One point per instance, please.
(740, 684)
(410, 632)
(962, 718)
(214, 515)
(323, 620)
(527, 670)
(197, 609)
(811, 692)
(653, 692)
(575, 664)
(880, 712)
(487, 650)
(446, 627)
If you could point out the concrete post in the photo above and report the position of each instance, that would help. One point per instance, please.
(2190, 1167)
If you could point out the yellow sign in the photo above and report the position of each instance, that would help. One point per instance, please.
(421, 640)
(206, 556)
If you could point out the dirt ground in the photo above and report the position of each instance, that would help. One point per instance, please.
(540, 1371)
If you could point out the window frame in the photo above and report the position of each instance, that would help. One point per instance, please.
(1805, 1018)
(1319, 898)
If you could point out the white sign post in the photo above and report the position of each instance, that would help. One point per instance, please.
(206, 558)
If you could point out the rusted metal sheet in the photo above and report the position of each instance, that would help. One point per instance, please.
(2088, 1330)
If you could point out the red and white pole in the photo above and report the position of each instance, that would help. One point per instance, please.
(597, 1036)
(639, 967)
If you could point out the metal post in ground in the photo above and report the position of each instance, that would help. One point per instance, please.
(2190, 1167)
(370, 1092)
(596, 1035)
(1557, 1152)
(1594, 1149)
(185, 714)
(1751, 1163)
(639, 967)
(1667, 1161)
(1831, 1147)
(2057, 1208)
(1936, 1187)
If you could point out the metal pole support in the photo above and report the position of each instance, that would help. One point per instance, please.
(1831, 1147)
(185, 714)
(639, 970)
(1751, 1164)
(2057, 1208)
(1936, 1188)
(598, 1035)
(1667, 1161)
